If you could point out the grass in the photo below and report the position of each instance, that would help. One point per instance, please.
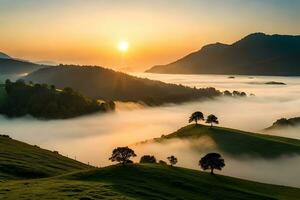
(28, 172)
(20, 160)
(239, 143)
(139, 181)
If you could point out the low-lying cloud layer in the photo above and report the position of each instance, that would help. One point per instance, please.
(92, 138)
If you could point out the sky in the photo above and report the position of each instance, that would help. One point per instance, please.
(157, 31)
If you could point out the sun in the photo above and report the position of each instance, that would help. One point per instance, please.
(123, 46)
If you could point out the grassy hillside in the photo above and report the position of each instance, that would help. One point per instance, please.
(144, 182)
(21, 160)
(238, 143)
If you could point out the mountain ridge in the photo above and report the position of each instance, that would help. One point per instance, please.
(255, 54)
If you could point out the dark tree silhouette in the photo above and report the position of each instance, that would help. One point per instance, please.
(122, 155)
(148, 159)
(212, 161)
(173, 160)
(196, 116)
(212, 119)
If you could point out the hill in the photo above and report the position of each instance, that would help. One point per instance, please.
(4, 56)
(42, 101)
(284, 123)
(144, 182)
(256, 54)
(19, 160)
(102, 83)
(12, 66)
(237, 143)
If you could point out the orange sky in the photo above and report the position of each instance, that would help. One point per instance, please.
(88, 32)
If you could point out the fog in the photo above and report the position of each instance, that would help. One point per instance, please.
(92, 138)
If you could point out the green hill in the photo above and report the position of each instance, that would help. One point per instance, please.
(21, 160)
(238, 143)
(144, 182)
(101, 83)
(29, 172)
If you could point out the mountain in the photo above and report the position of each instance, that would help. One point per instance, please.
(4, 56)
(255, 54)
(13, 66)
(235, 142)
(19, 160)
(284, 123)
(102, 83)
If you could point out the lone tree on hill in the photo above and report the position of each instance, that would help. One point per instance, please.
(212, 161)
(212, 119)
(173, 160)
(196, 116)
(148, 159)
(122, 155)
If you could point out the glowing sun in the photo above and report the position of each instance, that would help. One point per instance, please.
(123, 46)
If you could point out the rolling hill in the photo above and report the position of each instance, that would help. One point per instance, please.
(102, 83)
(19, 160)
(255, 54)
(13, 66)
(23, 168)
(237, 143)
(284, 123)
(137, 181)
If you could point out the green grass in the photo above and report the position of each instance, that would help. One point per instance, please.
(28, 172)
(2, 94)
(138, 181)
(239, 143)
(21, 160)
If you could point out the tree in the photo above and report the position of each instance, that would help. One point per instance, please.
(212, 161)
(173, 160)
(196, 116)
(212, 119)
(122, 155)
(148, 159)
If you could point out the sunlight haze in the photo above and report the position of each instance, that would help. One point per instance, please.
(85, 32)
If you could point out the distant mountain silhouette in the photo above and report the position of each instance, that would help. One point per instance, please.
(102, 83)
(14, 66)
(256, 54)
(4, 56)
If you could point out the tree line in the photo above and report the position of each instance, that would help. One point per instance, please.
(43, 101)
(210, 161)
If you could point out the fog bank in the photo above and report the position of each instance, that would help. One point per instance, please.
(91, 138)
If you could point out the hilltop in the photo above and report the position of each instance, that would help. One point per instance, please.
(101, 83)
(236, 142)
(19, 160)
(14, 66)
(255, 54)
(284, 123)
